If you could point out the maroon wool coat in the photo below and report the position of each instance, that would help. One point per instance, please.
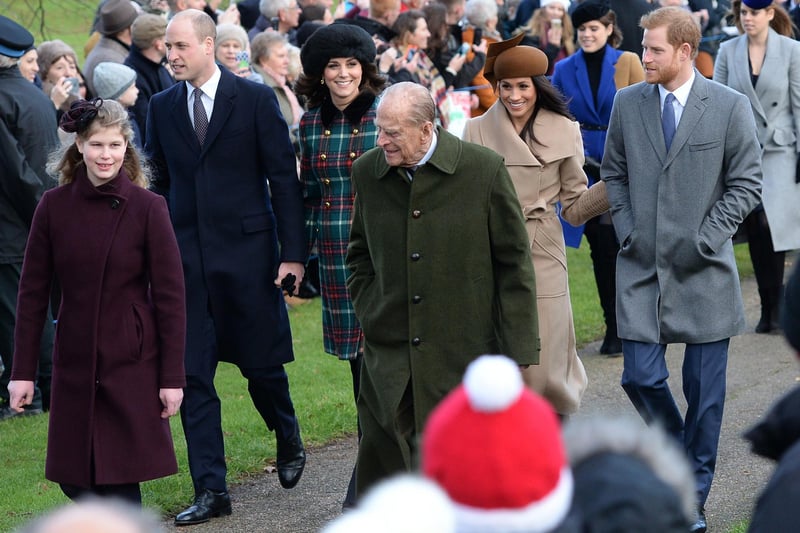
(120, 334)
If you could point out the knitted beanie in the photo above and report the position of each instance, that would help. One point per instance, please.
(495, 447)
(112, 79)
(51, 51)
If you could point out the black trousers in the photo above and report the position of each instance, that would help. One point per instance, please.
(9, 286)
(604, 248)
(768, 265)
(129, 492)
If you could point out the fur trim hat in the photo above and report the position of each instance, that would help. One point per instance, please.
(588, 11)
(508, 60)
(15, 40)
(115, 16)
(495, 447)
(51, 51)
(336, 40)
(112, 79)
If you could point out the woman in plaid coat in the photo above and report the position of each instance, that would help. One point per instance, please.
(341, 84)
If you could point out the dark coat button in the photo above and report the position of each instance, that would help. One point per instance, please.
(774, 104)
(415, 256)
(416, 299)
(416, 213)
(114, 204)
(416, 341)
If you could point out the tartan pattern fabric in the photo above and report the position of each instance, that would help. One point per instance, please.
(327, 154)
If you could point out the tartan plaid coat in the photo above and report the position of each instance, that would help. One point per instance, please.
(330, 140)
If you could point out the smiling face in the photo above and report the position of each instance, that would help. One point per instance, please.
(419, 37)
(342, 76)
(404, 144)
(593, 35)
(663, 63)
(28, 64)
(103, 153)
(191, 58)
(554, 10)
(519, 98)
(59, 69)
(755, 21)
(226, 54)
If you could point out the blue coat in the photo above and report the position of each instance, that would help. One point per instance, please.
(571, 77)
(232, 201)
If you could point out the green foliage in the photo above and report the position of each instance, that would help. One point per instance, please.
(68, 20)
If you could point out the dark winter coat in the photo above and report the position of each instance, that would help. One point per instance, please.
(120, 333)
(231, 201)
(27, 134)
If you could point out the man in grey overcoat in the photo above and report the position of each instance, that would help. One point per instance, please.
(440, 273)
(678, 189)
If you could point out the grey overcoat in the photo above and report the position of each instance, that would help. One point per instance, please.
(675, 212)
(775, 101)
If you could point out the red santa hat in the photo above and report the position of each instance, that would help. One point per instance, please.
(495, 447)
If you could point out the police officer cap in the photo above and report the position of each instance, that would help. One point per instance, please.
(14, 39)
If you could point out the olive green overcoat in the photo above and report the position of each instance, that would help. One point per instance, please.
(440, 274)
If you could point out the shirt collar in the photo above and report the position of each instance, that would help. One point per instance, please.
(209, 88)
(681, 93)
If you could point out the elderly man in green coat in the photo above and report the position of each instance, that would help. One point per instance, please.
(440, 274)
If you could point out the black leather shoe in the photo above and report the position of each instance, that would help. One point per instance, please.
(611, 346)
(207, 505)
(291, 461)
(699, 525)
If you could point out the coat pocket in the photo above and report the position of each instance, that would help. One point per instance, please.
(258, 223)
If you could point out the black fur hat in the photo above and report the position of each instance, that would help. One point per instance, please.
(336, 40)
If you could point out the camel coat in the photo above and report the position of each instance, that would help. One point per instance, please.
(554, 175)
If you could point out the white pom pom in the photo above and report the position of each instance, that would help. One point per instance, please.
(493, 383)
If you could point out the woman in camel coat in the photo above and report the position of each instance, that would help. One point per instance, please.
(531, 128)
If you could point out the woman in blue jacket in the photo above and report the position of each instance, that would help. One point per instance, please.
(589, 79)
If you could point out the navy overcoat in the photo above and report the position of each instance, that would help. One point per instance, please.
(230, 210)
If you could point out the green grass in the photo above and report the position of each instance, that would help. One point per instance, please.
(321, 389)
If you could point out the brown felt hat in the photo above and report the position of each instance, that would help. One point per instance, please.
(507, 59)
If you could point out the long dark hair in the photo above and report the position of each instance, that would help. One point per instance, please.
(547, 97)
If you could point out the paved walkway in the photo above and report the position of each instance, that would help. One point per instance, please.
(760, 369)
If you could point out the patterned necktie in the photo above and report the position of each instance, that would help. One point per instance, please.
(200, 117)
(668, 120)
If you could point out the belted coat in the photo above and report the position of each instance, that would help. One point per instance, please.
(120, 332)
(543, 176)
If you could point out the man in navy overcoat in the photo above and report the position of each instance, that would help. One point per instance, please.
(227, 168)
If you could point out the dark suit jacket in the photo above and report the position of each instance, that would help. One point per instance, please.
(231, 202)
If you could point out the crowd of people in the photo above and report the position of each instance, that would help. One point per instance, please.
(164, 200)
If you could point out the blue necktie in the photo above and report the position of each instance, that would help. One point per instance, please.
(668, 120)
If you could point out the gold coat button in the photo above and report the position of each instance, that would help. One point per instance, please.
(352, 155)
(355, 131)
(326, 181)
(323, 157)
(327, 204)
(327, 132)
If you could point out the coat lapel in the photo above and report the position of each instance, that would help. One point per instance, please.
(741, 69)
(650, 106)
(223, 105)
(692, 113)
(180, 114)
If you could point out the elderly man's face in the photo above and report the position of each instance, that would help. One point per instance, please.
(403, 144)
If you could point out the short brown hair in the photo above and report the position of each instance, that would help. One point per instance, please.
(681, 27)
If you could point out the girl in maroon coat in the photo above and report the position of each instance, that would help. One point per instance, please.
(118, 360)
